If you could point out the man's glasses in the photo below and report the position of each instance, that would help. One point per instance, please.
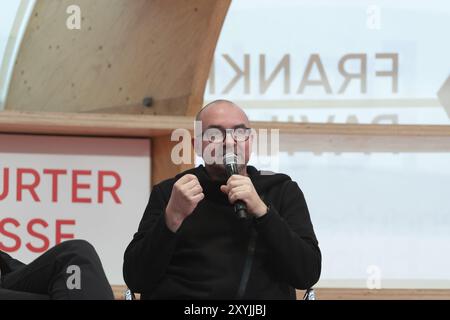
(219, 135)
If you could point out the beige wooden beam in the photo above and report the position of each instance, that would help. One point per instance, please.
(294, 137)
(351, 294)
(87, 124)
(151, 125)
(124, 52)
(378, 294)
(162, 165)
(354, 129)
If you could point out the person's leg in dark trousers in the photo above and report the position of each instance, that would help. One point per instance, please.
(49, 274)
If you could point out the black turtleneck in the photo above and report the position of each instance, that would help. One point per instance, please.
(205, 258)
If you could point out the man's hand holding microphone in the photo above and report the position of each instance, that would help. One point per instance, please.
(187, 193)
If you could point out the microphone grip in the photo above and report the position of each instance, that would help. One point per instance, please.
(241, 209)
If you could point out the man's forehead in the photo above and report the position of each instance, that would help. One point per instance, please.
(224, 115)
(224, 123)
(221, 126)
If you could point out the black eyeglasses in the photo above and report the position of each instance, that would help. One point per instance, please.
(219, 135)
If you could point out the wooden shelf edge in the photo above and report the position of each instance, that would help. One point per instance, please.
(352, 294)
(356, 129)
(124, 125)
(90, 124)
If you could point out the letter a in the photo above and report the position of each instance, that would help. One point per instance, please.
(73, 22)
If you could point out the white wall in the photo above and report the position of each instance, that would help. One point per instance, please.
(388, 210)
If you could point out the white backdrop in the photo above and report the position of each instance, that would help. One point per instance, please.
(413, 30)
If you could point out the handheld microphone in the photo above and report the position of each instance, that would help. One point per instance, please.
(230, 161)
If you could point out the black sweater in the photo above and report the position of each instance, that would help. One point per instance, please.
(205, 258)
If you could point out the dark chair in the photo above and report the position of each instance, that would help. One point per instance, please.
(309, 295)
(129, 295)
(17, 295)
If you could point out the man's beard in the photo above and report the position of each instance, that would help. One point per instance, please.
(216, 168)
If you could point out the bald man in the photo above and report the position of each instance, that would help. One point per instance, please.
(192, 245)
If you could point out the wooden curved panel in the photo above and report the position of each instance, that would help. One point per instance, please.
(125, 51)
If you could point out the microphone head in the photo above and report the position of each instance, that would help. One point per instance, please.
(230, 158)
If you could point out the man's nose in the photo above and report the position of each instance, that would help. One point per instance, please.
(229, 142)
